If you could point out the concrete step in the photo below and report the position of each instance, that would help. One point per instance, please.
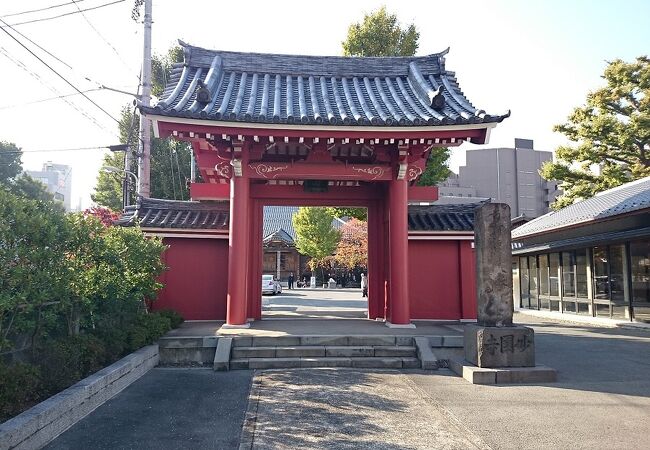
(316, 351)
(291, 363)
(295, 341)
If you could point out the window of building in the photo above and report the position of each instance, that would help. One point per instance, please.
(640, 273)
(532, 265)
(601, 274)
(617, 281)
(581, 273)
(554, 274)
(568, 274)
(543, 275)
(524, 282)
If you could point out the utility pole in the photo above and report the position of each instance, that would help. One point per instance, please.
(144, 188)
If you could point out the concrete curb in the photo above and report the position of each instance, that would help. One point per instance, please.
(427, 359)
(247, 436)
(42, 423)
(584, 320)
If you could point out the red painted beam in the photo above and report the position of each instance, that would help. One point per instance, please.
(299, 171)
(209, 191)
(477, 134)
(335, 195)
(422, 193)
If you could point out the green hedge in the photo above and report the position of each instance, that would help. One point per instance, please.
(60, 362)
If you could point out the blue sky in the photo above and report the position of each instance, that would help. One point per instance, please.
(537, 58)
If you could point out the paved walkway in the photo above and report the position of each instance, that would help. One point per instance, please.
(601, 401)
(167, 409)
(347, 409)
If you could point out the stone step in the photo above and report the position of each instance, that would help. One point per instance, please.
(292, 363)
(295, 341)
(316, 351)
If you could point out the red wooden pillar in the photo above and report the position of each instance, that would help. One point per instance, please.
(400, 315)
(238, 252)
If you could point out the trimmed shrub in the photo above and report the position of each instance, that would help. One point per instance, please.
(175, 319)
(20, 388)
(147, 329)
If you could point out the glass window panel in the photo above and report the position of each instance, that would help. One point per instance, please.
(640, 272)
(569, 307)
(554, 274)
(543, 274)
(601, 273)
(616, 279)
(532, 264)
(602, 310)
(583, 308)
(581, 273)
(543, 302)
(555, 305)
(568, 274)
(524, 282)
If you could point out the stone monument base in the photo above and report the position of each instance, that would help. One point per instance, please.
(504, 375)
(498, 347)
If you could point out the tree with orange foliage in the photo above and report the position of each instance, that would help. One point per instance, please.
(352, 251)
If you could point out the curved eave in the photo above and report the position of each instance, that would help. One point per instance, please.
(477, 133)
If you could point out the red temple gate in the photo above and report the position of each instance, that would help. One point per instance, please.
(316, 131)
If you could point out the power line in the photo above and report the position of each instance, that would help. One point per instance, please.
(65, 14)
(59, 97)
(17, 62)
(101, 36)
(38, 10)
(57, 73)
(47, 150)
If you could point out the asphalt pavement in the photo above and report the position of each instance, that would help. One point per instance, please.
(167, 408)
(601, 401)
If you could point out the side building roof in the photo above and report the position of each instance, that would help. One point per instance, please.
(330, 90)
(624, 199)
(175, 214)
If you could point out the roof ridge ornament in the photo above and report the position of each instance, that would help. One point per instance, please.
(427, 95)
(203, 93)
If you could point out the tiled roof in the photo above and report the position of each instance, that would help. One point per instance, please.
(156, 213)
(623, 199)
(270, 88)
(442, 217)
(279, 218)
(279, 235)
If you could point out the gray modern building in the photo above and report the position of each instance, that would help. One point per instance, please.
(58, 180)
(506, 175)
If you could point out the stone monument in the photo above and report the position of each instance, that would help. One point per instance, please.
(494, 342)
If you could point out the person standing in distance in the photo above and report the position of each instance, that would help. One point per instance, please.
(364, 285)
(291, 280)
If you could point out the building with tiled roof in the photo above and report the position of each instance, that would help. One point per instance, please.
(591, 257)
(332, 90)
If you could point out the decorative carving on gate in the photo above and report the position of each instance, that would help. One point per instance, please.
(374, 171)
(223, 169)
(414, 172)
(264, 170)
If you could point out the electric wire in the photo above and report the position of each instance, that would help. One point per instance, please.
(39, 9)
(57, 73)
(63, 15)
(21, 65)
(102, 36)
(72, 69)
(17, 105)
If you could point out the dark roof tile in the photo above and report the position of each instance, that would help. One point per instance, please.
(271, 88)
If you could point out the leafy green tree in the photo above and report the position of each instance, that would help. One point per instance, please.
(315, 236)
(611, 132)
(10, 163)
(33, 237)
(437, 168)
(380, 34)
(170, 159)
